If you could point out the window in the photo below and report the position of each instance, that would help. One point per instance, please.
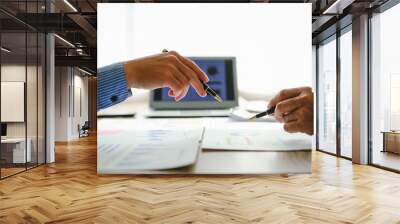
(327, 96)
(385, 89)
(346, 93)
(334, 106)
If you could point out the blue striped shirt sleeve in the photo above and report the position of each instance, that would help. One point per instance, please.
(112, 87)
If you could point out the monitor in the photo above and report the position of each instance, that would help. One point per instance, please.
(222, 79)
(3, 129)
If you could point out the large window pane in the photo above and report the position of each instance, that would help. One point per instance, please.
(346, 94)
(385, 86)
(327, 96)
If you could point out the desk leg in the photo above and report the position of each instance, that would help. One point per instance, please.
(384, 142)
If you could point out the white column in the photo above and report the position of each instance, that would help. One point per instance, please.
(50, 100)
(360, 90)
(314, 87)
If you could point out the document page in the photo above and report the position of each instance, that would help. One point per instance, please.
(253, 136)
(148, 149)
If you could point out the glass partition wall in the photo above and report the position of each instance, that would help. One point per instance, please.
(13, 111)
(22, 78)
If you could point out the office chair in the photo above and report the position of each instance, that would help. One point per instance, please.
(84, 130)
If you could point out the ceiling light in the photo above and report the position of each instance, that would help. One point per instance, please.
(337, 7)
(84, 71)
(65, 41)
(5, 50)
(79, 51)
(70, 5)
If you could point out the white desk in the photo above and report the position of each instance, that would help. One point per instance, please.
(218, 162)
(19, 155)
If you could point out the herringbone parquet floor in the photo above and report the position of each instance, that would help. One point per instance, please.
(70, 191)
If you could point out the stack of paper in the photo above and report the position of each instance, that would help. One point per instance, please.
(126, 147)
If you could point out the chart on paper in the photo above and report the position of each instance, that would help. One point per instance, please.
(269, 137)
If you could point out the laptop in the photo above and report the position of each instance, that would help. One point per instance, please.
(222, 75)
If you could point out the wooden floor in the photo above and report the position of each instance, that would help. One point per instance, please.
(387, 159)
(70, 191)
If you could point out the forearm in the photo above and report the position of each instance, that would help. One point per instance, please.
(112, 86)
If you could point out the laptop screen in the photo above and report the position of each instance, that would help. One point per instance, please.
(219, 72)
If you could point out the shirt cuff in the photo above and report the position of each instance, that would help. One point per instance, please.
(112, 87)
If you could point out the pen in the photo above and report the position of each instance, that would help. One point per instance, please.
(210, 91)
(265, 113)
(206, 87)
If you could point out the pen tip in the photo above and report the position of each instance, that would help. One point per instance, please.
(254, 117)
(218, 98)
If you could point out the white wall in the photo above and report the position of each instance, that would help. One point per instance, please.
(68, 82)
(13, 101)
(81, 84)
(16, 73)
(62, 81)
(272, 42)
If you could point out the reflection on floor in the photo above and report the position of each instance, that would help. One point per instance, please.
(387, 159)
(11, 169)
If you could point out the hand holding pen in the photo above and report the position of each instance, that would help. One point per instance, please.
(165, 70)
(295, 108)
(193, 66)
